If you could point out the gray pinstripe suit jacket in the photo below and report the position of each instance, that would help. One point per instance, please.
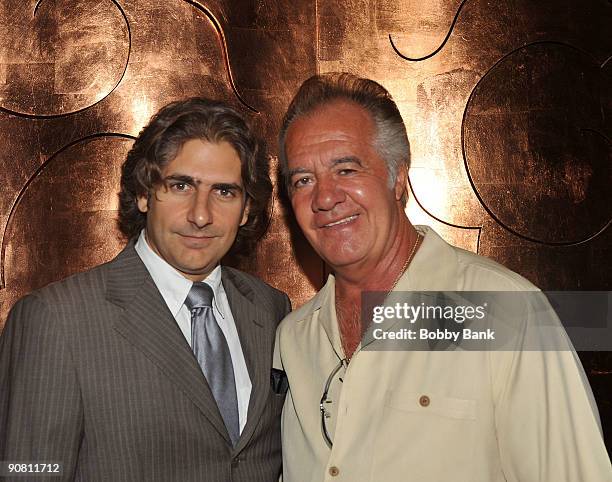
(96, 374)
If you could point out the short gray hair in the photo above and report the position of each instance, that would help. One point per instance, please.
(390, 141)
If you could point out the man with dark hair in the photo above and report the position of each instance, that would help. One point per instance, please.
(156, 366)
(359, 409)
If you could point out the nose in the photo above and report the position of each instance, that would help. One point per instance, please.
(326, 195)
(199, 213)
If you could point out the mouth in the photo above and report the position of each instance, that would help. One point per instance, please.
(196, 241)
(341, 222)
(187, 236)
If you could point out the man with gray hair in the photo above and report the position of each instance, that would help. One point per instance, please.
(356, 411)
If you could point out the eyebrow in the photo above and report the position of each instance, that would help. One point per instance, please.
(346, 160)
(297, 170)
(230, 186)
(181, 178)
(335, 162)
(194, 182)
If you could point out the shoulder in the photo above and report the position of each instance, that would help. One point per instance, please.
(49, 309)
(303, 312)
(259, 288)
(73, 289)
(302, 315)
(92, 284)
(68, 296)
(440, 266)
(254, 283)
(484, 274)
(517, 310)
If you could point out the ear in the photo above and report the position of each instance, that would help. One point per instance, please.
(143, 203)
(401, 182)
(245, 213)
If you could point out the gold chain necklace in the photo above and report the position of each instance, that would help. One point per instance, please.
(418, 239)
(403, 270)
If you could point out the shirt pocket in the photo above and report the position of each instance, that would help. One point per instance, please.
(431, 403)
(426, 434)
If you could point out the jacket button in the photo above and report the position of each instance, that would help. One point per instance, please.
(333, 471)
(424, 401)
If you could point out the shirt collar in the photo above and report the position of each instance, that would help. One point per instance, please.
(172, 285)
(214, 281)
(433, 268)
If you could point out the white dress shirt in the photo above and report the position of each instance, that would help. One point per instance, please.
(174, 288)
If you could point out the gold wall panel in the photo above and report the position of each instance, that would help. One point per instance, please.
(59, 57)
(98, 70)
(536, 117)
(507, 105)
(69, 207)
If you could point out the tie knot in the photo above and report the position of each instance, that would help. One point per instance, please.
(200, 296)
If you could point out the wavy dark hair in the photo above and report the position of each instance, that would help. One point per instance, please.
(159, 143)
(390, 139)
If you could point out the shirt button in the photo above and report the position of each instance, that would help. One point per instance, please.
(333, 471)
(424, 401)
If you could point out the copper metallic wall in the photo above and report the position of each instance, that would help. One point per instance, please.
(508, 106)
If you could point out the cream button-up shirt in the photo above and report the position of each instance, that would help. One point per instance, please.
(435, 416)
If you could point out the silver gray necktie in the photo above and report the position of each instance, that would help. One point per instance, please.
(212, 352)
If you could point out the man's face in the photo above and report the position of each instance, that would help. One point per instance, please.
(194, 216)
(339, 186)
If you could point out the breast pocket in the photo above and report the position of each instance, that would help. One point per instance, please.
(276, 402)
(431, 404)
(425, 433)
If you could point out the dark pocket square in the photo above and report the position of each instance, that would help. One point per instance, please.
(279, 381)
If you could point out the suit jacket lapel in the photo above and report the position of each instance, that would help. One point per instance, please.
(256, 337)
(148, 324)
